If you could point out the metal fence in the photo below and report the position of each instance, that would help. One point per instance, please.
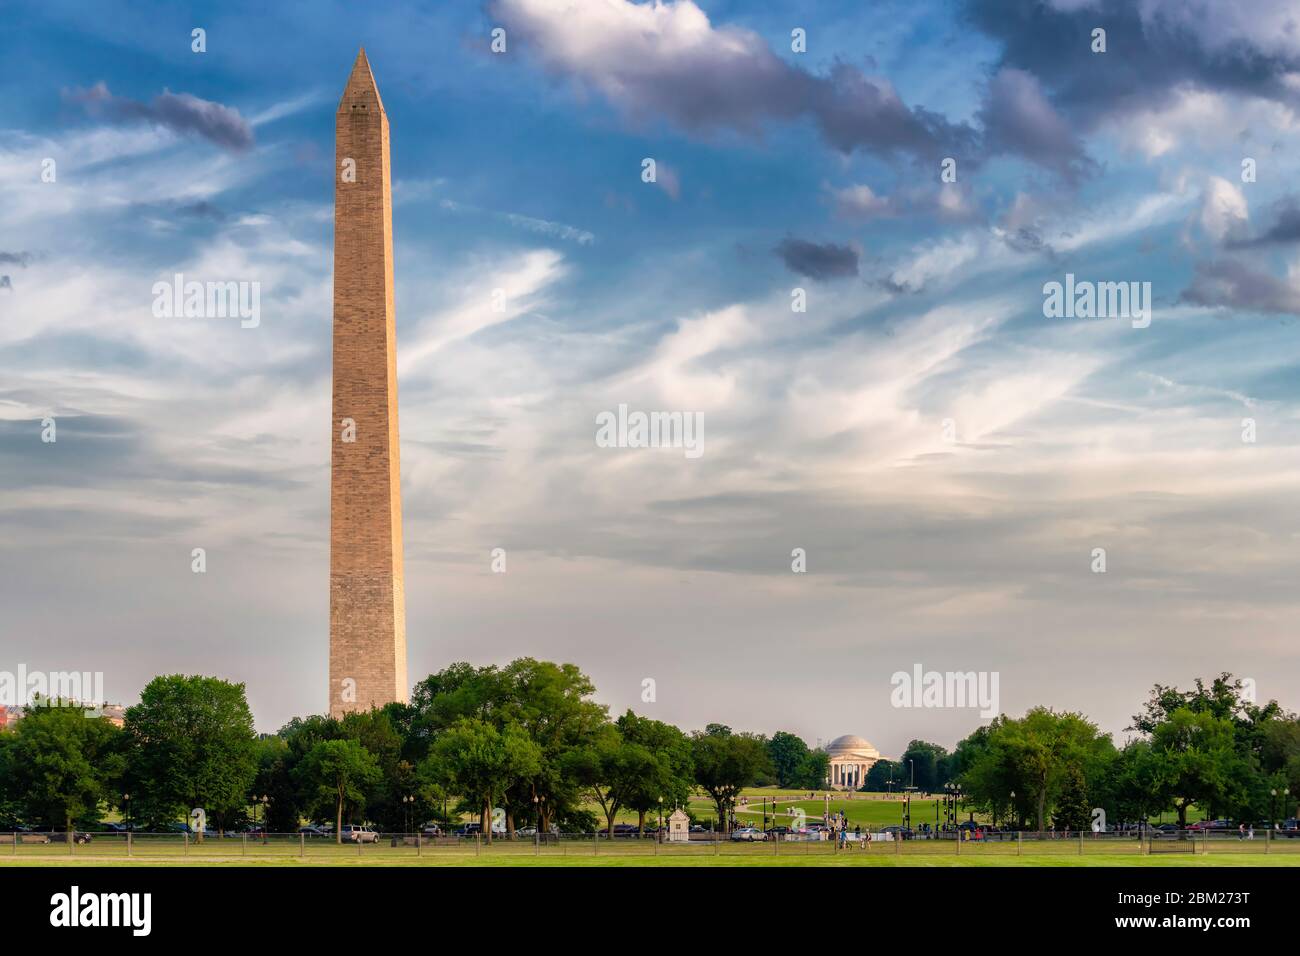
(412, 847)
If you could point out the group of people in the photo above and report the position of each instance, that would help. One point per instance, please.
(838, 822)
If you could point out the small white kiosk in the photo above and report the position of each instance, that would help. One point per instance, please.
(679, 827)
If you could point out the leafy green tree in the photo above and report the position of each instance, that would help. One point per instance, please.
(553, 705)
(1264, 737)
(1196, 761)
(480, 762)
(1131, 789)
(725, 763)
(1039, 757)
(789, 756)
(375, 731)
(191, 744)
(275, 781)
(339, 772)
(668, 782)
(991, 772)
(1073, 810)
(884, 775)
(1048, 750)
(61, 764)
(923, 765)
(816, 769)
(611, 769)
(10, 811)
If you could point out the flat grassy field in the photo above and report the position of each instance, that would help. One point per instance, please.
(690, 860)
(868, 810)
(167, 851)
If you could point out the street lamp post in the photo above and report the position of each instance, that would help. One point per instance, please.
(408, 804)
(265, 800)
(126, 802)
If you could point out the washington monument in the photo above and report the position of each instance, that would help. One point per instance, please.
(367, 602)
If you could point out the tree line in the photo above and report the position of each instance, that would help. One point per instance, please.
(527, 738)
(530, 739)
(1210, 747)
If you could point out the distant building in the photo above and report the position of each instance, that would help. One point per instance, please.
(851, 759)
(116, 714)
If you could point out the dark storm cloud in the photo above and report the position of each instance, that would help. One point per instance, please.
(179, 112)
(1027, 239)
(23, 259)
(818, 260)
(1285, 228)
(1019, 120)
(665, 62)
(1146, 59)
(202, 210)
(1229, 283)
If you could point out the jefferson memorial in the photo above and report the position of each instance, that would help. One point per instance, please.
(851, 758)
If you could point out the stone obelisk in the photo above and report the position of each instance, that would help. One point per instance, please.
(367, 603)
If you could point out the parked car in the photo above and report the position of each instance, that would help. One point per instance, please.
(433, 830)
(778, 831)
(526, 832)
(621, 830)
(748, 835)
(313, 831)
(353, 834)
(80, 837)
(473, 829)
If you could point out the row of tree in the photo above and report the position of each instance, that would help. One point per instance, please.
(529, 738)
(1211, 748)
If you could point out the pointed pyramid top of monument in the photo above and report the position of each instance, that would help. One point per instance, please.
(361, 91)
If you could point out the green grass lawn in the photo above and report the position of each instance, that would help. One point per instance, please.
(690, 859)
(167, 851)
(868, 810)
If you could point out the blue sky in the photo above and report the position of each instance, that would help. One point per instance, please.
(777, 170)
